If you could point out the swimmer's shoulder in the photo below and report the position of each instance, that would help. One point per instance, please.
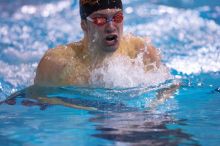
(52, 64)
(70, 50)
(137, 42)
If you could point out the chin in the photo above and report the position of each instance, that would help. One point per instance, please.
(110, 48)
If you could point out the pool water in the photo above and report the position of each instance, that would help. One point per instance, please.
(187, 33)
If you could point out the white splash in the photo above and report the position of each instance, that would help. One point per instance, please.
(18, 75)
(202, 60)
(121, 71)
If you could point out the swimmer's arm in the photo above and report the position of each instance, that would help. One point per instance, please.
(164, 94)
(57, 101)
(152, 60)
(151, 55)
(49, 69)
(39, 93)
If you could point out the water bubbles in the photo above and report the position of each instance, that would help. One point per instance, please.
(217, 89)
(129, 10)
(28, 9)
(199, 84)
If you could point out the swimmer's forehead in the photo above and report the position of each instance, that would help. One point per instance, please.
(106, 12)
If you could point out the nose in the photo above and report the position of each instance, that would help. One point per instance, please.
(110, 27)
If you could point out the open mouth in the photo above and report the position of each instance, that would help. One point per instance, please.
(111, 39)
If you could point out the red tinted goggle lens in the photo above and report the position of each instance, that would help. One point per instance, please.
(117, 18)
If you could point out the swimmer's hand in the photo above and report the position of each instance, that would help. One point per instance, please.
(164, 94)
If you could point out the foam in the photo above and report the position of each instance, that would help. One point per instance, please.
(121, 71)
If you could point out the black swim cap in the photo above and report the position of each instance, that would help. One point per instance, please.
(87, 7)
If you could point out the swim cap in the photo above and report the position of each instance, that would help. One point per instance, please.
(87, 7)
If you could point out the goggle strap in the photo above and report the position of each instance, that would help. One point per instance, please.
(90, 19)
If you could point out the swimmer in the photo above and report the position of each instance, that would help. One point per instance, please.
(72, 64)
(102, 24)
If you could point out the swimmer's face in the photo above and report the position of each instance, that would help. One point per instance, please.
(104, 29)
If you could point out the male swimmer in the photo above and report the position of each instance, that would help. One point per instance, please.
(102, 24)
(72, 64)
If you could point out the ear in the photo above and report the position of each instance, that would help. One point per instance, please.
(84, 25)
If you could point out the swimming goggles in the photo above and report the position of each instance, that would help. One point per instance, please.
(102, 20)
